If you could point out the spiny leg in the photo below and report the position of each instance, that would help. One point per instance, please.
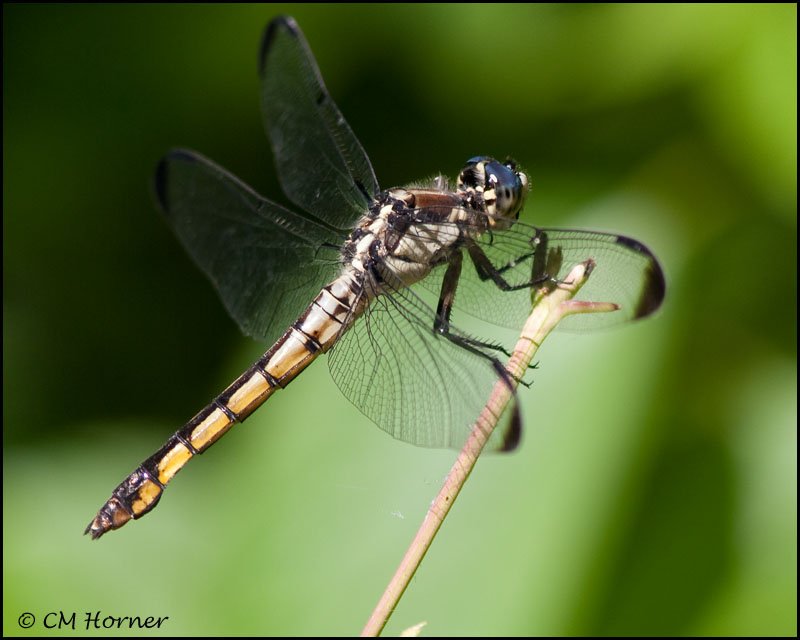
(441, 323)
(487, 271)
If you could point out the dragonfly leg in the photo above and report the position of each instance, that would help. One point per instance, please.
(487, 271)
(448, 293)
(441, 323)
(512, 432)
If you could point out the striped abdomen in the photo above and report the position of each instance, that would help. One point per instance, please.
(332, 312)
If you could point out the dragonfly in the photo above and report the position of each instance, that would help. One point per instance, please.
(373, 278)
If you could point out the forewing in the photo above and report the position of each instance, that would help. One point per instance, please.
(321, 164)
(266, 262)
(626, 273)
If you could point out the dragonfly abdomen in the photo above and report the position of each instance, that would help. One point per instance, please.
(317, 329)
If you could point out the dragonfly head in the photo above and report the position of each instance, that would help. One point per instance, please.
(495, 187)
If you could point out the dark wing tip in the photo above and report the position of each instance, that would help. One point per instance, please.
(160, 184)
(162, 176)
(286, 23)
(654, 287)
(513, 433)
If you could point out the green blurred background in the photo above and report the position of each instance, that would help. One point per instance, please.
(663, 502)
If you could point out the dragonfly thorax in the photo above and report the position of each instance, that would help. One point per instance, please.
(409, 231)
(497, 188)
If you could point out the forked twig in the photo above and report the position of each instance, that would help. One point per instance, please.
(550, 305)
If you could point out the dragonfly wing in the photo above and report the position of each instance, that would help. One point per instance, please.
(321, 164)
(414, 383)
(266, 262)
(626, 273)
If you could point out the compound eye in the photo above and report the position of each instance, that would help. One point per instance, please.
(507, 186)
(496, 185)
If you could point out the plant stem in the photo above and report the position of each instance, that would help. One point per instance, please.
(551, 304)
